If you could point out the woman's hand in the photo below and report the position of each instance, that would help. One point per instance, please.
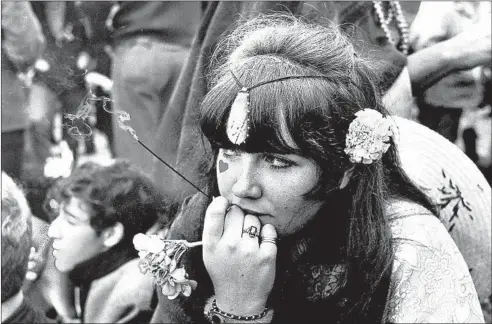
(242, 270)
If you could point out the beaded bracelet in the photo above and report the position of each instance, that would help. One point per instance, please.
(216, 309)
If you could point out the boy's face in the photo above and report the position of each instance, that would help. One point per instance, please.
(74, 239)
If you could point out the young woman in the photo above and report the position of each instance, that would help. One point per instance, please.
(313, 218)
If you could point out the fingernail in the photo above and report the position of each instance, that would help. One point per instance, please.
(229, 208)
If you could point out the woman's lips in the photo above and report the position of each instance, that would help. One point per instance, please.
(254, 213)
(247, 211)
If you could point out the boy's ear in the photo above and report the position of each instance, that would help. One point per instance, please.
(346, 177)
(113, 235)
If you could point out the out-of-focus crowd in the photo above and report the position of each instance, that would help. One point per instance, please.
(84, 82)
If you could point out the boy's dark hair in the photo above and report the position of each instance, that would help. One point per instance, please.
(116, 193)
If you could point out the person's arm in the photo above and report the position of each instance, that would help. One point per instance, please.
(429, 65)
(466, 50)
(447, 39)
(430, 280)
(22, 37)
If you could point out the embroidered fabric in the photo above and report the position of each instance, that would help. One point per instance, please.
(325, 281)
(430, 279)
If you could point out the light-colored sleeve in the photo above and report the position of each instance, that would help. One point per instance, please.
(399, 99)
(430, 280)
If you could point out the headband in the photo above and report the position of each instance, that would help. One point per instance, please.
(238, 122)
(368, 136)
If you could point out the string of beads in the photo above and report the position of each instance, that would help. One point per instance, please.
(386, 17)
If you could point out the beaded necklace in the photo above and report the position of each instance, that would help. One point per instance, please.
(394, 12)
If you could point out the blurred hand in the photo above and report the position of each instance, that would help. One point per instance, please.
(60, 163)
(94, 79)
(461, 24)
(437, 21)
(35, 265)
(242, 270)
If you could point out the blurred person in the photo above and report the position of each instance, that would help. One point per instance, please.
(54, 74)
(16, 247)
(100, 209)
(22, 44)
(387, 31)
(458, 106)
(95, 58)
(59, 85)
(150, 43)
(45, 286)
(442, 104)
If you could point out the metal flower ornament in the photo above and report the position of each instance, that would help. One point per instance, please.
(162, 259)
(368, 136)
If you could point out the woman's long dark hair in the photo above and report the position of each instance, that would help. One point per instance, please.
(315, 113)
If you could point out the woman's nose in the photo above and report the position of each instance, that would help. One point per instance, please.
(247, 184)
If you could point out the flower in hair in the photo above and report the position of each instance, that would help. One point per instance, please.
(368, 136)
(161, 258)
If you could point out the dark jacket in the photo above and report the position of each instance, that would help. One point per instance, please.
(111, 289)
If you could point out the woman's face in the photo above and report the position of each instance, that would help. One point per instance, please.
(270, 186)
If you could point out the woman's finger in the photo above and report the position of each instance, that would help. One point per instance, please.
(251, 230)
(233, 226)
(268, 245)
(213, 225)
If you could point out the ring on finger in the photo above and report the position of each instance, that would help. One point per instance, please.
(269, 240)
(252, 231)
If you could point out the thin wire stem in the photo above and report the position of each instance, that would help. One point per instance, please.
(169, 166)
(193, 244)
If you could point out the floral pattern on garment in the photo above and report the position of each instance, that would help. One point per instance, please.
(325, 281)
(430, 279)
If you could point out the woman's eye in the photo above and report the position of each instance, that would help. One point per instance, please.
(227, 153)
(277, 162)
